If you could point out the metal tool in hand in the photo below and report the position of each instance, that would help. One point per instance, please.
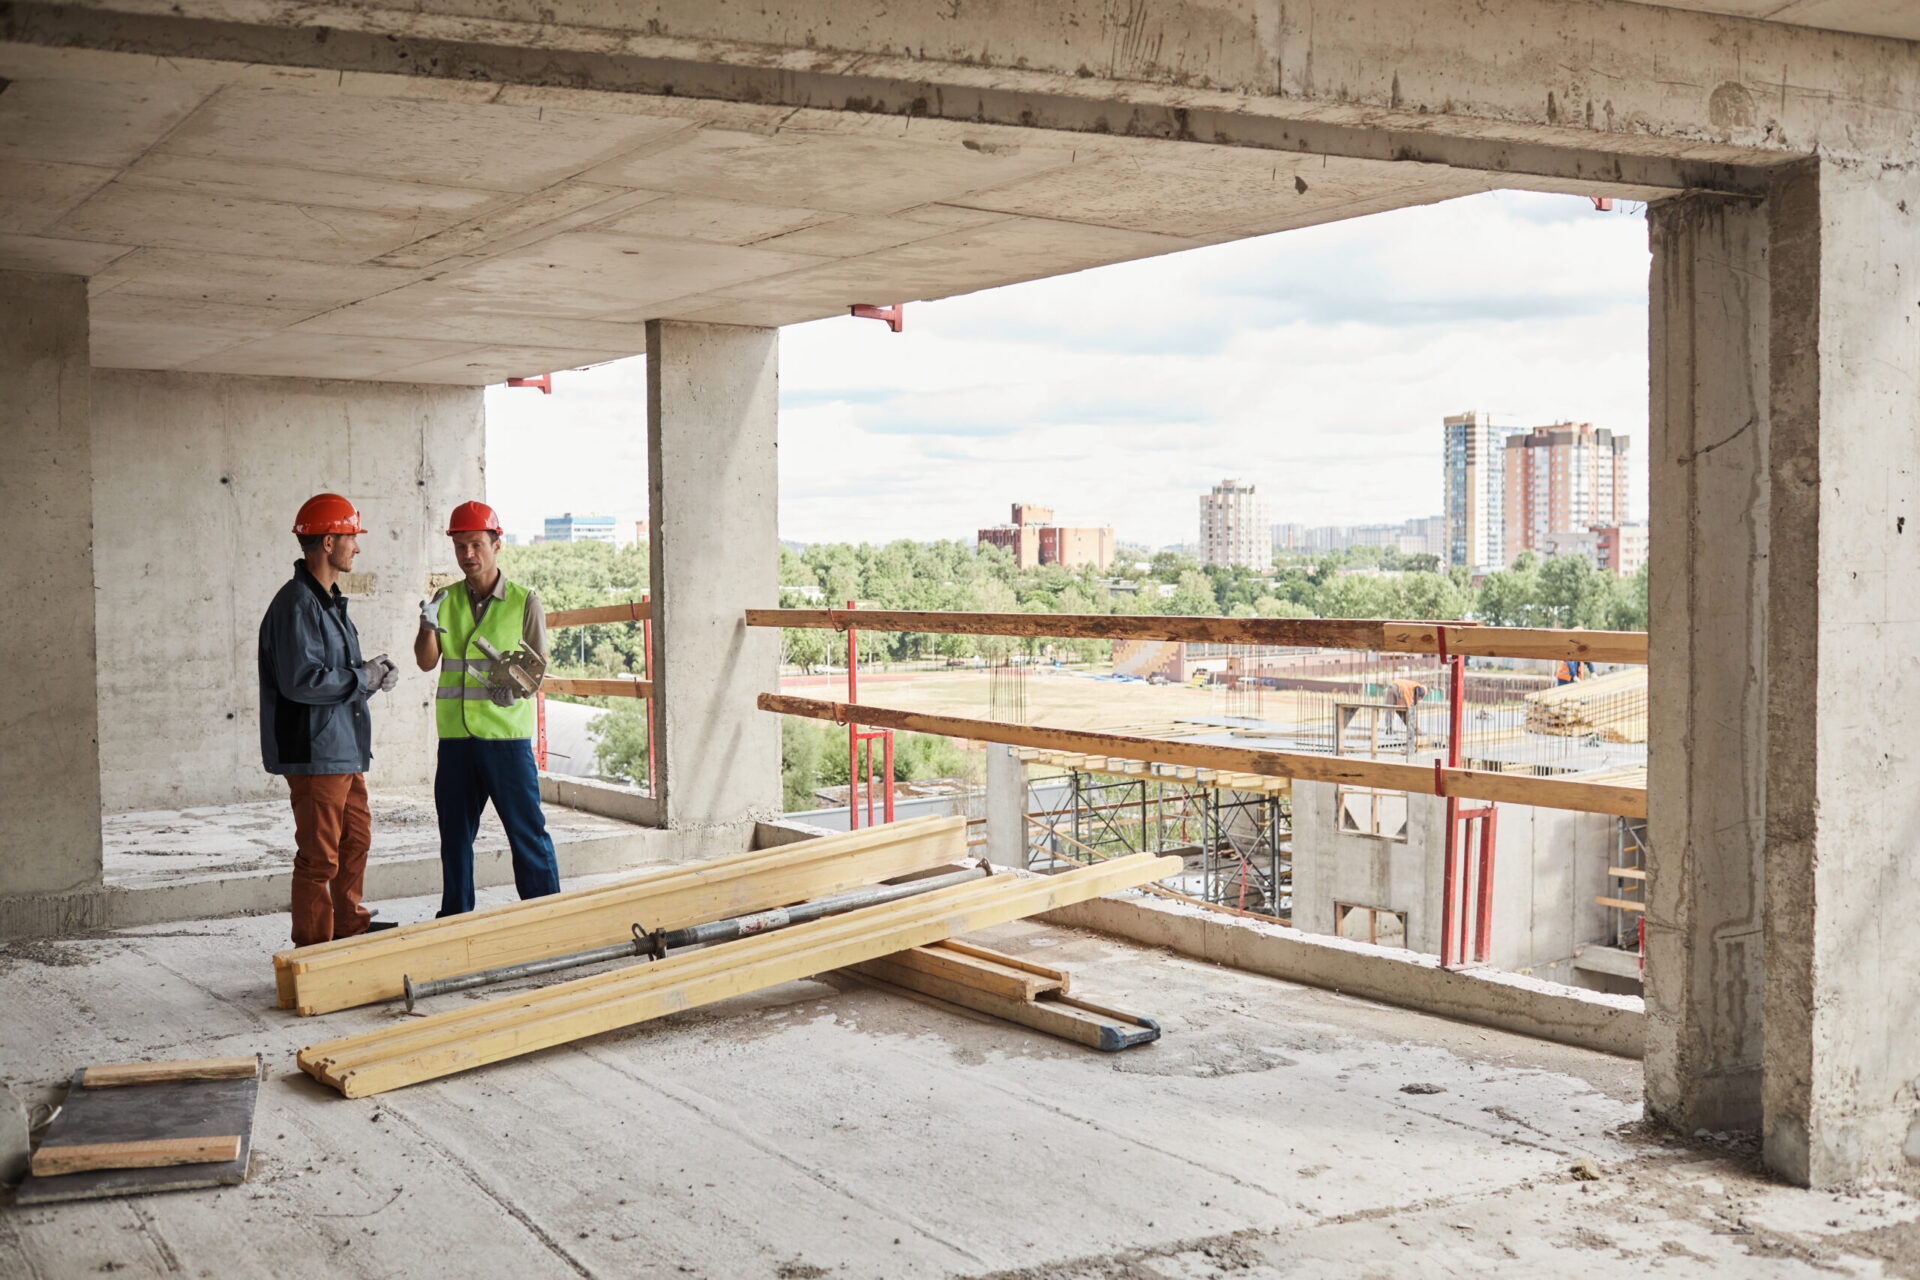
(515, 675)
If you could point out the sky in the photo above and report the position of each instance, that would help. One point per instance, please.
(1316, 364)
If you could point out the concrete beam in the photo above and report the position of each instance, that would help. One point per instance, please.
(1606, 91)
(1707, 800)
(713, 474)
(49, 740)
(1006, 808)
(1843, 785)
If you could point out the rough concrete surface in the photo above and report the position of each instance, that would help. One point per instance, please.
(828, 1128)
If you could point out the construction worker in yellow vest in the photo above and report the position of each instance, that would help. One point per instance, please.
(488, 636)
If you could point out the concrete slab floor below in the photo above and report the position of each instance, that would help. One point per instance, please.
(157, 847)
(831, 1128)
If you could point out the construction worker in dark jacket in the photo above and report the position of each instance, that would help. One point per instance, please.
(315, 729)
(475, 631)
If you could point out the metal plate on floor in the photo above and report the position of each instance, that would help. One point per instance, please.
(140, 1112)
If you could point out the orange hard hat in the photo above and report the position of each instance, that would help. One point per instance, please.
(473, 517)
(327, 513)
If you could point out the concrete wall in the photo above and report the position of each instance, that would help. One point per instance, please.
(1708, 649)
(1549, 865)
(49, 754)
(196, 478)
(1842, 1056)
(713, 470)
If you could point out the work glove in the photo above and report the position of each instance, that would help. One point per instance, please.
(501, 696)
(392, 677)
(430, 612)
(378, 673)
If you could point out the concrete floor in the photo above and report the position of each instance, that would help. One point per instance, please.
(827, 1128)
(163, 846)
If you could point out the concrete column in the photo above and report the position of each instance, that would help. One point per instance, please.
(712, 413)
(1006, 807)
(1709, 541)
(1842, 1056)
(49, 740)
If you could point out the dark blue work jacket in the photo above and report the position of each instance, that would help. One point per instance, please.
(313, 698)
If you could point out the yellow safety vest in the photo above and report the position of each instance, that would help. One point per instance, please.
(464, 706)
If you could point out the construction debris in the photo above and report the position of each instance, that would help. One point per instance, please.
(461, 1039)
(1611, 706)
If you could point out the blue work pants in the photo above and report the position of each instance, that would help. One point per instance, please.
(471, 772)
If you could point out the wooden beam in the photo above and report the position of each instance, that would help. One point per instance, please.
(1467, 784)
(1059, 1015)
(1627, 873)
(590, 688)
(630, 611)
(370, 967)
(1622, 903)
(152, 1153)
(1378, 635)
(461, 1039)
(106, 1077)
(980, 972)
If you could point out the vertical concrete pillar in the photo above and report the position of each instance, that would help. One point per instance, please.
(1707, 749)
(712, 412)
(1006, 807)
(1842, 1055)
(49, 740)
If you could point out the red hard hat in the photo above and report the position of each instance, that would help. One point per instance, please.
(327, 513)
(473, 517)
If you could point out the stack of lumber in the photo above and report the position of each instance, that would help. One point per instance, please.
(1003, 986)
(461, 1039)
(1613, 706)
(372, 967)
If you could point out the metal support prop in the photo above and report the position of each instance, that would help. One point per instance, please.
(1450, 949)
(656, 944)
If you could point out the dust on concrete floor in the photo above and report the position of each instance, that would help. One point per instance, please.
(158, 846)
(829, 1128)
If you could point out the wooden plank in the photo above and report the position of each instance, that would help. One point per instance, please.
(630, 611)
(1622, 903)
(1092, 1025)
(967, 970)
(106, 1077)
(371, 967)
(1380, 635)
(140, 1113)
(1467, 784)
(465, 1038)
(1627, 873)
(153, 1153)
(592, 688)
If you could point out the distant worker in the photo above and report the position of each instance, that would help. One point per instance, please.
(489, 638)
(315, 729)
(1567, 670)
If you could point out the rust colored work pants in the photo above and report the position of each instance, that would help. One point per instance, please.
(331, 832)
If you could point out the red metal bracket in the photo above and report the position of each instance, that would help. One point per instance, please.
(544, 382)
(1603, 203)
(895, 315)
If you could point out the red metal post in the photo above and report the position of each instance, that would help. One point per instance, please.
(1487, 820)
(853, 734)
(540, 737)
(1452, 876)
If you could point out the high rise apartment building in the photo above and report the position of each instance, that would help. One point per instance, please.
(1234, 528)
(573, 528)
(1564, 478)
(1474, 513)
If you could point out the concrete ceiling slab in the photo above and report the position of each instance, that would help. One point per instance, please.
(1897, 18)
(484, 146)
(133, 213)
(245, 280)
(60, 257)
(295, 354)
(813, 170)
(289, 184)
(91, 122)
(39, 194)
(482, 365)
(711, 221)
(857, 234)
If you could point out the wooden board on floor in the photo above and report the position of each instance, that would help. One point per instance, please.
(463, 1038)
(124, 1073)
(369, 968)
(168, 1109)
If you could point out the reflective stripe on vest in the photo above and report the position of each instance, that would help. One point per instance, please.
(463, 705)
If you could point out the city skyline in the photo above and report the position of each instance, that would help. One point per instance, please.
(1316, 364)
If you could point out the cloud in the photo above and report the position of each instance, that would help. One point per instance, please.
(1317, 363)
